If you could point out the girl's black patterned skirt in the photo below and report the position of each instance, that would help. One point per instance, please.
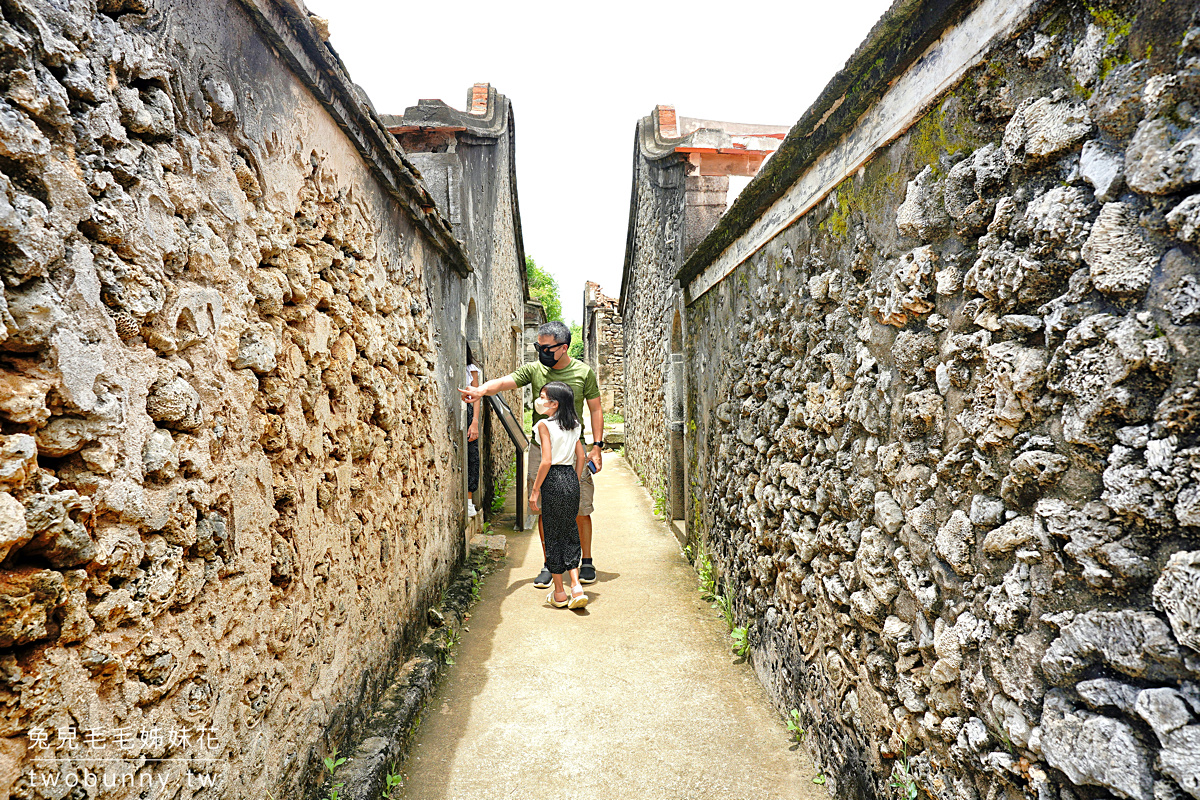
(560, 506)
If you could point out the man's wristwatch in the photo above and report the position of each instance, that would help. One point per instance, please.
(599, 444)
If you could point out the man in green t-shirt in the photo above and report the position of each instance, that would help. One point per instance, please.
(554, 339)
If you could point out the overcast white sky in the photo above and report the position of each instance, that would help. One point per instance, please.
(580, 75)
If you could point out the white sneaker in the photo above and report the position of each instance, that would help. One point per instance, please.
(471, 508)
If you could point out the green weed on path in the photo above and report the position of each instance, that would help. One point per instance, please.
(500, 494)
(902, 777)
(741, 641)
(794, 727)
(394, 781)
(332, 762)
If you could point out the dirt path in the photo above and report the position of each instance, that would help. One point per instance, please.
(637, 696)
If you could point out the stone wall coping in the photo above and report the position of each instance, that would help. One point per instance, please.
(911, 36)
(535, 313)
(664, 137)
(315, 63)
(490, 117)
(649, 144)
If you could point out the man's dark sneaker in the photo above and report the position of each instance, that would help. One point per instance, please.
(587, 573)
(543, 579)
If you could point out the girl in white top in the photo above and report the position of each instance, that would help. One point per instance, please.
(556, 490)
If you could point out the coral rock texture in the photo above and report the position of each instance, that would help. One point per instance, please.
(947, 451)
(223, 503)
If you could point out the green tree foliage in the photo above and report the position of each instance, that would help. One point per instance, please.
(576, 348)
(544, 289)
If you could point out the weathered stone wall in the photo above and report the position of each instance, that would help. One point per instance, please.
(681, 169)
(535, 317)
(226, 422)
(604, 345)
(653, 255)
(610, 358)
(947, 429)
(504, 292)
(468, 161)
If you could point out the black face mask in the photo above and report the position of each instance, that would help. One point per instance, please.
(546, 357)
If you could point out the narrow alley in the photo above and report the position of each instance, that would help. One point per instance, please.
(638, 695)
(917, 368)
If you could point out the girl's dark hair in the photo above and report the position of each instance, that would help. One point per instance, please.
(560, 393)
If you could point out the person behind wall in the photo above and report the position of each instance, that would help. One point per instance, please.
(555, 491)
(554, 364)
(476, 375)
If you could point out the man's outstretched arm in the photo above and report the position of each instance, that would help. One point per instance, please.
(494, 386)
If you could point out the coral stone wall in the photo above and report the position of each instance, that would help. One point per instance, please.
(647, 291)
(609, 359)
(948, 431)
(226, 427)
(467, 161)
(604, 345)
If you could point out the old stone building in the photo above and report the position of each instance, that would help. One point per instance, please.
(233, 322)
(535, 317)
(468, 162)
(939, 396)
(604, 345)
(681, 176)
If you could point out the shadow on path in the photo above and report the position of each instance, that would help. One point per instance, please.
(636, 696)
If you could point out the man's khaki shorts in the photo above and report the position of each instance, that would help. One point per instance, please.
(587, 489)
